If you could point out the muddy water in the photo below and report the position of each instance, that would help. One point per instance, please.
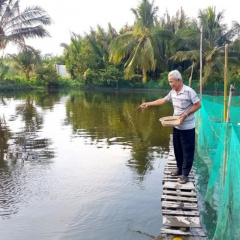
(81, 165)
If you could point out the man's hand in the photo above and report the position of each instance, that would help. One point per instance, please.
(143, 105)
(182, 118)
(154, 103)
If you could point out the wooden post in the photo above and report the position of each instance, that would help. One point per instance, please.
(225, 82)
(225, 153)
(190, 79)
(229, 103)
(201, 63)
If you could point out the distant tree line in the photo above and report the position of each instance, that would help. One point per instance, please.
(155, 45)
(137, 55)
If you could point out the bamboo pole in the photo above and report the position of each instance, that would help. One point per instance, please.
(225, 82)
(190, 78)
(227, 131)
(201, 63)
(227, 136)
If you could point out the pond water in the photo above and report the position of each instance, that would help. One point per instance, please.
(81, 165)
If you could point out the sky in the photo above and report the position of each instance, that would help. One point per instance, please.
(80, 15)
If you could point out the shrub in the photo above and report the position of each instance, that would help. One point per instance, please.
(163, 81)
(11, 83)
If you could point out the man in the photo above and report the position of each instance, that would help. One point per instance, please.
(185, 103)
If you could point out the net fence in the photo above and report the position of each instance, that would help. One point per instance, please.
(219, 148)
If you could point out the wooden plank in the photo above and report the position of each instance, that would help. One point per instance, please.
(179, 205)
(169, 173)
(173, 185)
(177, 177)
(179, 212)
(193, 232)
(176, 180)
(172, 163)
(169, 167)
(179, 193)
(179, 202)
(178, 198)
(171, 158)
(177, 221)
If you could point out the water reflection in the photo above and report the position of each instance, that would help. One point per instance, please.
(115, 119)
(26, 144)
(81, 161)
(4, 138)
(18, 146)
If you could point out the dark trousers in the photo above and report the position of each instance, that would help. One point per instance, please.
(184, 146)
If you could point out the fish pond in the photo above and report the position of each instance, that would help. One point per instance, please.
(81, 165)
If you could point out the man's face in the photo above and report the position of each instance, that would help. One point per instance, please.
(175, 84)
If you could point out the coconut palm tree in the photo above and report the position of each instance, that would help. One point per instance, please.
(26, 61)
(139, 47)
(16, 25)
(100, 40)
(178, 21)
(80, 56)
(215, 36)
(71, 52)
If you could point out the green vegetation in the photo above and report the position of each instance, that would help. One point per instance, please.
(138, 56)
(141, 46)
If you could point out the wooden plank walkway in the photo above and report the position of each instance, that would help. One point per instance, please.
(179, 203)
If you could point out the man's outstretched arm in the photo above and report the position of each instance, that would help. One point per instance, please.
(154, 103)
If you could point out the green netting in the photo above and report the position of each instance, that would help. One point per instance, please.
(219, 148)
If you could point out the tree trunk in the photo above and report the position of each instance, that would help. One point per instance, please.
(27, 75)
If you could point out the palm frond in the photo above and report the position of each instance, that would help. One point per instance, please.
(144, 14)
(185, 55)
(164, 34)
(29, 32)
(232, 60)
(112, 32)
(148, 57)
(210, 56)
(96, 48)
(120, 46)
(132, 62)
(16, 25)
(3, 4)
(65, 45)
(10, 11)
(37, 14)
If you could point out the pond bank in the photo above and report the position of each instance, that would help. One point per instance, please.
(66, 84)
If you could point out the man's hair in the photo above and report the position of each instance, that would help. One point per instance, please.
(176, 75)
